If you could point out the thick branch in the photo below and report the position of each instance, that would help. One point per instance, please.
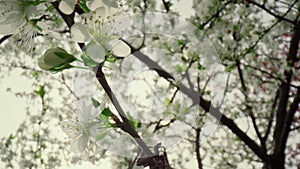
(284, 118)
(290, 116)
(281, 129)
(270, 123)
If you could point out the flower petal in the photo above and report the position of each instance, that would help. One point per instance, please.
(82, 142)
(71, 128)
(111, 3)
(94, 4)
(67, 6)
(96, 52)
(87, 112)
(100, 13)
(79, 33)
(120, 48)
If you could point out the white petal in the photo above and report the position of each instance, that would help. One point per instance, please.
(79, 33)
(71, 128)
(82, 142)
(100, 13)
(94, 4)
(86, 112)
(120, 48)
(96, 52)
(7, 29)
(34, 12)
(67, 6)
(111, 3)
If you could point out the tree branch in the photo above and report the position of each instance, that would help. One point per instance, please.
(127, 127)
(197, 148)
(206, 105)
(248, 107)
(281, 129)
(279, 17)
(4, 38)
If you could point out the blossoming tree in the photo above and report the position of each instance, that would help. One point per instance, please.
(139, 85)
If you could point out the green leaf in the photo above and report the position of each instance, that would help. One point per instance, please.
(178, 69)
(41, 92)
(230, 68)
(134, 123)
(111, 59)
(169, 4)
(200, 67)
(106, 112)
(167, 101)
(35, 74)
(88, 61)
(101, 135)
(167, 47)
(37, 155)
(84, 6)
(104, 118)
(181, 43)
(95, 103)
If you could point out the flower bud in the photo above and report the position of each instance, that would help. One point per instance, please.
(56, 59)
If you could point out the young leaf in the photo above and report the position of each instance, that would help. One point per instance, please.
(41, 92)
(107, 112)
(101, 135)
(95, 103)
(88, 61)
(230, 68)
(167, 101)
(84, 6)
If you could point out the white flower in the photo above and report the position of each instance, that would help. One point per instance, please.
(68, 6)
(79, 130)
(76, 133)
(100, 32)
(19, 17)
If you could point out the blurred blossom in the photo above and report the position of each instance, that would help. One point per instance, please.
(79, 129)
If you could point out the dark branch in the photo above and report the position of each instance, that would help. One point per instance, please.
(4, 38)
(197, 149)
(281, 129)
(279, 17)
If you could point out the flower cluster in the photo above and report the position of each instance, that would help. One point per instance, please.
(99, 31)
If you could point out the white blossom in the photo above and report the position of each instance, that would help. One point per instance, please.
(99, 31)
(18, 17)
(79, 129)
